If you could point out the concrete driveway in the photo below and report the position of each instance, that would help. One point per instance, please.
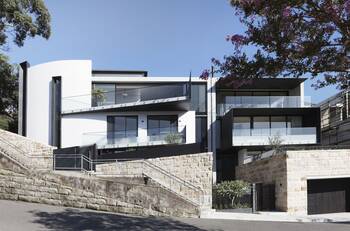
(28, 216)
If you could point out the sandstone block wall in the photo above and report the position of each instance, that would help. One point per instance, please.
(195, 169)
(290, 172)
(269, 170)
(312, 164)
(29, 153)
(83, 191)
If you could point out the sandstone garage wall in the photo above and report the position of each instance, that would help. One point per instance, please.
(291, 170)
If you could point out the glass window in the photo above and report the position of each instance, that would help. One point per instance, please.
(159, 125)
(199, 97)
(241, 126)
(261, 125)
(125, 126)
(103, 94)
(278, 125)
(294, 121)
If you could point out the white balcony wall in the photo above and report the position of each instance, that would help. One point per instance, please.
(74, 126)
(76, 79)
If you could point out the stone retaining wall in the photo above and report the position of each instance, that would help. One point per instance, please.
(269, 170)
(29, 153)
(195, 169)
(84, 191)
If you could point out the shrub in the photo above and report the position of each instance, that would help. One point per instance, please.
(173, 138)
(232, 189)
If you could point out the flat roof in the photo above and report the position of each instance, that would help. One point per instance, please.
(119, 72)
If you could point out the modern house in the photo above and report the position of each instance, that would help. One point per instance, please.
(68, 104)
(335, 119)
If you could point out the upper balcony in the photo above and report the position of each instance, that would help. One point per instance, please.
(263, 102)
(287, 136)
(132, 138)
(104, 98)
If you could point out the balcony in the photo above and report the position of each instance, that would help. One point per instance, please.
(159, 136)
(251, 137)
(263, 102)
(101, 99)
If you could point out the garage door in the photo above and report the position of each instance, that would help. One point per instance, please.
(328, 195)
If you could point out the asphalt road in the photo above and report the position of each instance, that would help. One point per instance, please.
(19, 216)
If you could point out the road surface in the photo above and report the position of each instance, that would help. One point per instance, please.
(19, 216)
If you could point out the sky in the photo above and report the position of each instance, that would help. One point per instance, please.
(164, 37)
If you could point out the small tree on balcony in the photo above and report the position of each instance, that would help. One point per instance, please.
(98, 96)
(275, 142)
(173, 138)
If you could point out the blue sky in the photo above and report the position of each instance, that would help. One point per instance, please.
(164, 37)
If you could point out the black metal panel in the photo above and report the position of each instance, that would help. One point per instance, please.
(56, 109)
(24, 66)
(328, 196)
(265, 197)
(151, 152)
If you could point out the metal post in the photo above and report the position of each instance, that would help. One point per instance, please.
(81, 163)
(254, 195)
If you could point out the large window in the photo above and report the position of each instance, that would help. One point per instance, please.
(261, 125)
(199, 98)
(121, 127)
(161, 125)
(241, 126)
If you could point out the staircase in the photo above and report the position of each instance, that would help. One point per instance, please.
(144, 168)
(25, 152)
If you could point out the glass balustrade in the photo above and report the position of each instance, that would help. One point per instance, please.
(165, 135)
(263, 102)
(297, 135)
(102, 97)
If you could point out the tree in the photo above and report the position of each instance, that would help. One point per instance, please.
(19, 19)
(291, 38)
(232, 189)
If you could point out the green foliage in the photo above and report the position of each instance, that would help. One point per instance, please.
(19, 19)
(99, 96)
(275, 142)
(231, 189)
(173, 138)
(290, 38)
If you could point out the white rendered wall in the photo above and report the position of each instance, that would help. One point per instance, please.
(75, 125)
(76, 80)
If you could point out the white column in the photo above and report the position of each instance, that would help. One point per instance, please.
(212, 122)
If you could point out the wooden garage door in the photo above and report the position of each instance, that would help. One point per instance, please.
(328, 195)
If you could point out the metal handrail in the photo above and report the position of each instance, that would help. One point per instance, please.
(173, 176)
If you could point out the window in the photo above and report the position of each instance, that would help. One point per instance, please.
(199, 98)
(294, 122)
(261, 125)
(121, 127)
(241, 126)
(278, 125)
(161, 125)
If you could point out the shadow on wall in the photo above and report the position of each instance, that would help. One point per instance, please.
(73, 219)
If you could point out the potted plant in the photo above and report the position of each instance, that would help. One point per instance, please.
(98, 97)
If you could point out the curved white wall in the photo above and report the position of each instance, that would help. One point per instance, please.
(76, 80)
